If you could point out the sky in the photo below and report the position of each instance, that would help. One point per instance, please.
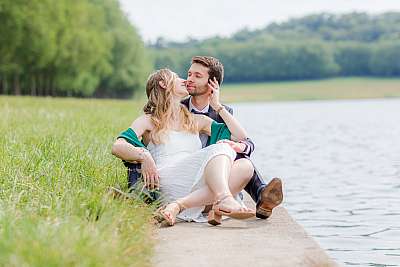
(178, 20)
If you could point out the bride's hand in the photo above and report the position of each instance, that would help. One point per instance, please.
(150, 173)
(238, 147)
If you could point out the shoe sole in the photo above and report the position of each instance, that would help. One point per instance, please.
(238, 215)
(215, 217)
(271, 197)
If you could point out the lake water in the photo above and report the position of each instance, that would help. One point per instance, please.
(340, 163)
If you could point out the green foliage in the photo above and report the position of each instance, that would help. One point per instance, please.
(358, 27)
(385, 60)
(130, 62)
(89, 48)
(75, 47)
(353, 58)
(55, 170)
(312, 47)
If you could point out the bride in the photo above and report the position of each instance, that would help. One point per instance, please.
(188, 176)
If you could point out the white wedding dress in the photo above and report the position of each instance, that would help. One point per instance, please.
(180, 161)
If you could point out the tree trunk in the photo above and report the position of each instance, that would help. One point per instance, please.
(47, 86)
(1, 85)
(5, 85)
(40, 84)
(33, 85)
(53, 93)
(17, 87)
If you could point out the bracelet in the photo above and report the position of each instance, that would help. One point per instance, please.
(220, 109)
(142, 153)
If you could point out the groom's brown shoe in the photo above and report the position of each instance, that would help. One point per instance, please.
(271, 196)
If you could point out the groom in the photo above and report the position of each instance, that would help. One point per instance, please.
(203, 70)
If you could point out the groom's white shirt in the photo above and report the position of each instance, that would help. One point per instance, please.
(203, 137)
(192, 107)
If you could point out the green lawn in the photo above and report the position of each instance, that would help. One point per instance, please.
(338, 88)
(55, 168)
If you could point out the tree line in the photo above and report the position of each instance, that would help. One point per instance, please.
(312, 47)
(88, 48)
(69, 47)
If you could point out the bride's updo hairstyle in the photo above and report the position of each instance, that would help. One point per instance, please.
(162, 108)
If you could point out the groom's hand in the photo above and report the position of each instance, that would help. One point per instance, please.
(238, 147)
(214, 97)
(150, 173)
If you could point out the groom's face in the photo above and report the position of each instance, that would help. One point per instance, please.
(197, 80)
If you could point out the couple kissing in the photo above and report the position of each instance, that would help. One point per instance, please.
(190, 147)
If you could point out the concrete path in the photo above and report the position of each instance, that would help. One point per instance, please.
(278, 241)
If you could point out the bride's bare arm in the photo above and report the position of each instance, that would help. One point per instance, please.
(125, 151)
(204, 123)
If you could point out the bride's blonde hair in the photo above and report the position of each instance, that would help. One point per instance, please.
(161, 107)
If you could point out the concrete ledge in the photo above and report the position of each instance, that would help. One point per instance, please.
(278, 241)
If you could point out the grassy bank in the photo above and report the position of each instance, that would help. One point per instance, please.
(338, 88)
(55, 167)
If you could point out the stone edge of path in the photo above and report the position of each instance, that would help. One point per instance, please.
(278, 241)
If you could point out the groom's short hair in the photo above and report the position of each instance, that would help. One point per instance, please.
(215, 67)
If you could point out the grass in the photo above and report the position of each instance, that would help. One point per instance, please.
(338, 88)
(55, 168)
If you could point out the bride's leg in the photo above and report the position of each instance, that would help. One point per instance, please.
(216, 175)
(241, 173)
(200, 197)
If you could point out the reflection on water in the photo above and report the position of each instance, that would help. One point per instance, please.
(340, 161)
